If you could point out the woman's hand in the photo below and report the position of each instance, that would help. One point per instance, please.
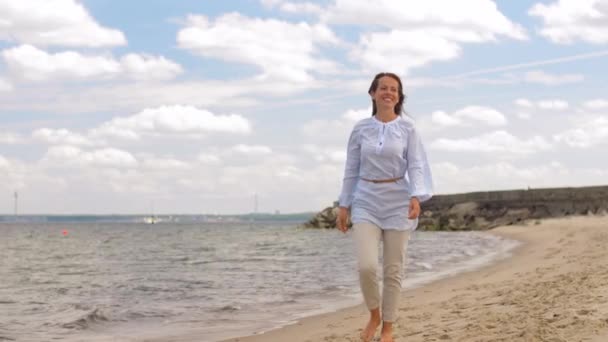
(341, 221)
(414, 208)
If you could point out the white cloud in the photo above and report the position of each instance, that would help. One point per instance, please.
(419, 31)
(5, 85)
(29, 63)
(334, 130)
(448, 177)
(534, 77)
(567, 21)
(486, 21)
(495, 142)
(208, 159)
(9, 138)
(293, 7)
(164, 164)
(127, 97)
(61, 137)
(4, 163)
(32, 64)
(524, 103)
(547, 104)
(180, 188)
(592, 131)
(184, 120)
(110, 157)
(54, 22)
(357, 114)
(146, 67)
(466, 115)
(528, 105)
(271, 3)
(282, 50)
(444, 119)
(301, 7)
(552, 104)
(323, 154)
(327, 130)
(401, 51)
(66, 155)
(255, 150)
(15, 175)
(527, 65)
(596, 104)
(542, 77)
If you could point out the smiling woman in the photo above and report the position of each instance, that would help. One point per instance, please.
(387, 175)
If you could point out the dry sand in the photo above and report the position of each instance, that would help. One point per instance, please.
(554, 288)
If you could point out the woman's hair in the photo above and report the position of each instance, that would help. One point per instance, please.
(374, 86)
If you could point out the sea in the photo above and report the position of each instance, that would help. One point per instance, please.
(99, 280)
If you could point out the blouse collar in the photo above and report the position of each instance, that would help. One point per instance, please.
(392, 122)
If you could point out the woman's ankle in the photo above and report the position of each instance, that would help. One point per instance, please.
(387, 326)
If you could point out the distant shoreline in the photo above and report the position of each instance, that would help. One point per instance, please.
(164, 218)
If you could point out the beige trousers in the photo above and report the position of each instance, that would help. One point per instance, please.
(367, 238)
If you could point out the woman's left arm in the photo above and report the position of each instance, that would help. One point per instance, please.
(418, 168)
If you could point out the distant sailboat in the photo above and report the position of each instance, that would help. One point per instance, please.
(152, 219)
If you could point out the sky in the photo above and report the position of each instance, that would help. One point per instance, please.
(212, 107)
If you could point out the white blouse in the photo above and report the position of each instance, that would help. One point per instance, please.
(378, 150)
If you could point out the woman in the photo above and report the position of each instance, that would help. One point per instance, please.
(386, 177)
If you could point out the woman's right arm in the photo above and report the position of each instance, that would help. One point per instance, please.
(351, 176)
(351, 169)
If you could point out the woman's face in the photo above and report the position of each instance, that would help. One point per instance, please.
(387, 93)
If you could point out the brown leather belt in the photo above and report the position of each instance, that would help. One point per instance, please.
(391, 180)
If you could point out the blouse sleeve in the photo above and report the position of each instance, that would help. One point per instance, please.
(351, 170)
(418, 168)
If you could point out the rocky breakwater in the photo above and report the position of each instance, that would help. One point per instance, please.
(326, 218)
(485, 210)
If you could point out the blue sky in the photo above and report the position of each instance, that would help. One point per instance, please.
(197, 106)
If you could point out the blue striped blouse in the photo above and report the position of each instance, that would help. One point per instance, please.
(378, 150)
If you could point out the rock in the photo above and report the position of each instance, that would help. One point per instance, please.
(461, 209)
(326, 218)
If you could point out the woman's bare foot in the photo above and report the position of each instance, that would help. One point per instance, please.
(370, 330)
(387, 332)
(374, 322)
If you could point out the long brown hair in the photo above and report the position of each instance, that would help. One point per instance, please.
(374, 86)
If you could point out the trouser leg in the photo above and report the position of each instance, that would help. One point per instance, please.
(367, 238)
(394, 247)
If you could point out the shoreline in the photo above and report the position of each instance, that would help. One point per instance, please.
(554, 286)
(415, 281)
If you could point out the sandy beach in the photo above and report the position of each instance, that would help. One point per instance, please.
(553, 288)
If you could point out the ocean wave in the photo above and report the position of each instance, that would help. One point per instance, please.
(86, 321)
(200, 262)
(36, 303)
(204, 249)
(146, 288)
(331, 288)
(228, 308)
(424, 265)
(73, 273)
(177, 259)
(140, 314)
(244, 259)
(470, 252)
